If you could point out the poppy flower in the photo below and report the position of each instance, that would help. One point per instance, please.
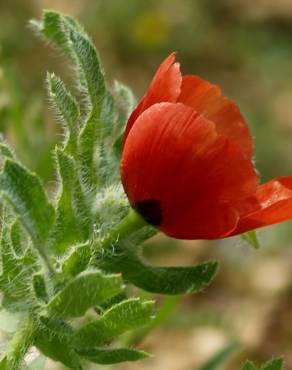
(187, 162)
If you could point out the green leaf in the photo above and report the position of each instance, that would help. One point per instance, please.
(126, 102)
(274, 364)
(57, 347)
(28, 198)
(248, 365)
(92, 78)
(17, 237)
(15, 281)
(4, 364)
(124, 316)
(77, 260)
(106, 356)
(252, 239)
(217, 360)
(6, 151)
(83, 292)
(162, 280)
(39, 286)
(72, 212)
(52, 27)
(67, 109)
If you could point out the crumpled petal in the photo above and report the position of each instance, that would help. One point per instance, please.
(165, 87)
(272, 204)
(207, 99)
(175, 157)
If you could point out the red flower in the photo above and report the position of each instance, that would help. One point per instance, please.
(187, 162)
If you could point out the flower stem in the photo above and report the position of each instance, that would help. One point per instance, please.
(20, 344)
(131, 223)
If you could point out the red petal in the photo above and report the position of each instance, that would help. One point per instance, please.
(165, 87)
(207, 99)
(273, 205)
(175, 156)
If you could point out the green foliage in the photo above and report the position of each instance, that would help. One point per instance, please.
(274, 364)
(125, 316)
(248, 365)
(251, 238)
(87, 290)
(67, 259)
(106, 356)
(25, 193)
(163, 280)
(216, 362)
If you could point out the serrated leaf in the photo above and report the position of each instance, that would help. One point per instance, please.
(248, 365)
(218, 359)
(162, 280)
(85, 291)
(107, 356)
(125, 316)
(67, 109)
(77, 260)
(274, 364)
(25, 193)
(252, 239)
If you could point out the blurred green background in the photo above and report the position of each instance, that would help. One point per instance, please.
(246, 47)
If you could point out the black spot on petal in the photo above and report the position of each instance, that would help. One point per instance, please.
(150, 210)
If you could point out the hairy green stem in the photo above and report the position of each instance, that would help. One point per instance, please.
(20, 343)
(131, 223)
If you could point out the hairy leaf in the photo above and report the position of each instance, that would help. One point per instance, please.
(163, 280)
(27, 196)
(67, 109)
(77, 260)
(106, 356)
(274, 364)
(125, 316)
(57, 347)
(83, 292)
(248, 365)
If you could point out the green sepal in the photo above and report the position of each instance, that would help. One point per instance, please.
(107, 356)
(124, 316)
(83, 292)
(251, 238)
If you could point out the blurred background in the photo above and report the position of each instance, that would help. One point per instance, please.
(245, 46)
